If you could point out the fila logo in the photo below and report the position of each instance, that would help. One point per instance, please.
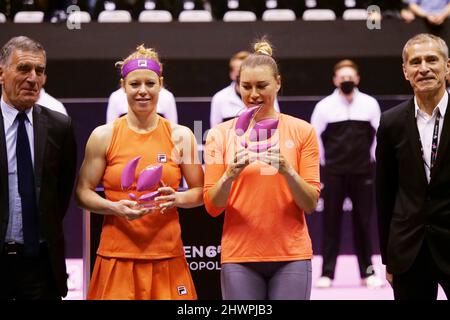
(182, 291)
(162, 158)
(142, 63)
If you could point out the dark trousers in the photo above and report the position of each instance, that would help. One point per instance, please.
(360, 189)
(421, 280)
(25, 278)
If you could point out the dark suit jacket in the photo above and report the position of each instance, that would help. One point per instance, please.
(411, 211)
(54, 168)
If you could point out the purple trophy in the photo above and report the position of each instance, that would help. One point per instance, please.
(263, 130)
(149, 177)
(128, 173)
(148, 200)
(244, 120)
(262, 147)
(148, 180)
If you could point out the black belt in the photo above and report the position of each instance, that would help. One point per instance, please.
(17, 249)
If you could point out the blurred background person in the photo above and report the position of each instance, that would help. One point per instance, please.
(50, 102)
(434, 12)
(346, 122)
(392, 9)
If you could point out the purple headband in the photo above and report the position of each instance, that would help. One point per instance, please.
(140, 63)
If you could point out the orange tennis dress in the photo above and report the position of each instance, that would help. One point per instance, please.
(143, 258)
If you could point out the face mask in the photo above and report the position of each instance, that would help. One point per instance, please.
(347, 87)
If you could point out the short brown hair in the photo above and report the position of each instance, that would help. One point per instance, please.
(344, 64)
(241, 55)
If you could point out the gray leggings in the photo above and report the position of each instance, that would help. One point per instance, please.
(288, 280)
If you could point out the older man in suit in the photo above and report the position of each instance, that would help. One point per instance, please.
(413, 176)
(37, 172)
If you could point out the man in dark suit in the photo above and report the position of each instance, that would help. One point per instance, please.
(37, 172)
(413, 176)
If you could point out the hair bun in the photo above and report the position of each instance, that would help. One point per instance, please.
(263, 47)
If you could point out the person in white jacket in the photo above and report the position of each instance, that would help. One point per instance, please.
(48, 101)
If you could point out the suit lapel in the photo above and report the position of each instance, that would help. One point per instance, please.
(40, 138)
(414, 139)
(443, 142)
(4, 206)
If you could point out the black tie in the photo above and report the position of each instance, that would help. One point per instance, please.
(25, 175)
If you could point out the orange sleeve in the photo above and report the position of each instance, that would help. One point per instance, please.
(309, 160)
(214, 168)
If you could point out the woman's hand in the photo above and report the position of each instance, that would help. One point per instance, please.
(129, 210)
(274, 158)
(169, 198)
(240, 161)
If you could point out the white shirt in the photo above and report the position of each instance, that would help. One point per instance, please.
(335, 108)
(48, 101)
(227, 104)
(425, 125)
(14, 230)
(118, 105)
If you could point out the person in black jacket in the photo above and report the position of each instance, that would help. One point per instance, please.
(37, 173)
(413, 176)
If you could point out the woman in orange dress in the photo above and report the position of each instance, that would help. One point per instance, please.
(140, 255)
(265, 184)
